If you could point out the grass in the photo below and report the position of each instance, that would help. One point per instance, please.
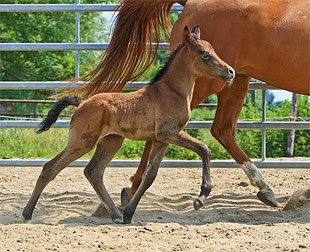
(25, 143)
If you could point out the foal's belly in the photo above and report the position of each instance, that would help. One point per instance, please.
(137, 134)
(134, 128)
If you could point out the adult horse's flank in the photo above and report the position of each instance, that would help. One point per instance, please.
(157, 113)
(267, 40)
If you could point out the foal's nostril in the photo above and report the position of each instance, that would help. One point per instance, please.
(231, 71)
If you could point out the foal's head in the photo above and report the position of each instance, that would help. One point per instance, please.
(204, 58)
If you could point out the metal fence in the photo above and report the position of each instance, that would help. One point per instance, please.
(77, 46)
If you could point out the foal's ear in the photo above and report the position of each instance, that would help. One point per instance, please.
(186, 35)
(196, 32)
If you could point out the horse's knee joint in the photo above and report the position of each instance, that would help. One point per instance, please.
(214, 132)
(44, 177)
(87, 172)
(206, 153)
(48, 172)
(151, 172)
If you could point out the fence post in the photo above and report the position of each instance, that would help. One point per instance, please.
(77, 40)
(263, 120)
(291, 134)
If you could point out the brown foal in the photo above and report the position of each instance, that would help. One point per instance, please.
(157, 113)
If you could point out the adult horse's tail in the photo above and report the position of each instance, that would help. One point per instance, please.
(128, 56)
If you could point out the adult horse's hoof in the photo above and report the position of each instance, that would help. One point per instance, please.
(198, 204)
(268, 198)
(125, 199)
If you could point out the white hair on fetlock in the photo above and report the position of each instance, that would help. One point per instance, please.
(256, 176)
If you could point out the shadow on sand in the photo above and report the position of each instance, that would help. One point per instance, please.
(77, 209)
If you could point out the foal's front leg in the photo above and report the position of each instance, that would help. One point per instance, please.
(157, 152)
(184, 140)
(136, 179)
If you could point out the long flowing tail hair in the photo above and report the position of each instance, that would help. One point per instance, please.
(128, 55)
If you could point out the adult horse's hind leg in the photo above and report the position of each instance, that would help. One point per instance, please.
(157, 152)
(49, 172)
(106, 149)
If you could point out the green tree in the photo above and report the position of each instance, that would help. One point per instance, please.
(46, 27)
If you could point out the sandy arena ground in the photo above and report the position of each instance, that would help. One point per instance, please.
(233, 220)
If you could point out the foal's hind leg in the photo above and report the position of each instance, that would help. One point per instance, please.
(157, 152)
(49, 172)
(106, 149)
(184, 140)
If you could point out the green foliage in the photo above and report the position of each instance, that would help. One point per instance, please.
(46, 27)
(276, 140)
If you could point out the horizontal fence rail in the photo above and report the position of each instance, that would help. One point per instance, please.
(65, 7)
(25, 101)
(77, 46)
(164, 163)
(190, 125)
(62, 46)
(59, 84)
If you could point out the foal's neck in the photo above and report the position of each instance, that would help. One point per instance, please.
(180, 76)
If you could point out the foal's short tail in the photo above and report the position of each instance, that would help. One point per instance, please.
(55, 111)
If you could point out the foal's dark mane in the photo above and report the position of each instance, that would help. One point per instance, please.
(161, 72)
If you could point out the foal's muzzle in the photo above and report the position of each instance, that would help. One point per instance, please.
(229, 75)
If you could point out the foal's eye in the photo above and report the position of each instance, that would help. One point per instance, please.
(205, 55)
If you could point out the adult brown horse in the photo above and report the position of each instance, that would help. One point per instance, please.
(267, 40)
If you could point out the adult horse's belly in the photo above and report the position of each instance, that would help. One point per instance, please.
(267, 40)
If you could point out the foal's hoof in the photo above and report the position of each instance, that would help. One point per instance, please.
(24, 220)
(198, 204)
(118, 220)
(268, 198)
(127, 220)
(125, 199)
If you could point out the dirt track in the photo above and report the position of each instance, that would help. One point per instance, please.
(233, 219)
